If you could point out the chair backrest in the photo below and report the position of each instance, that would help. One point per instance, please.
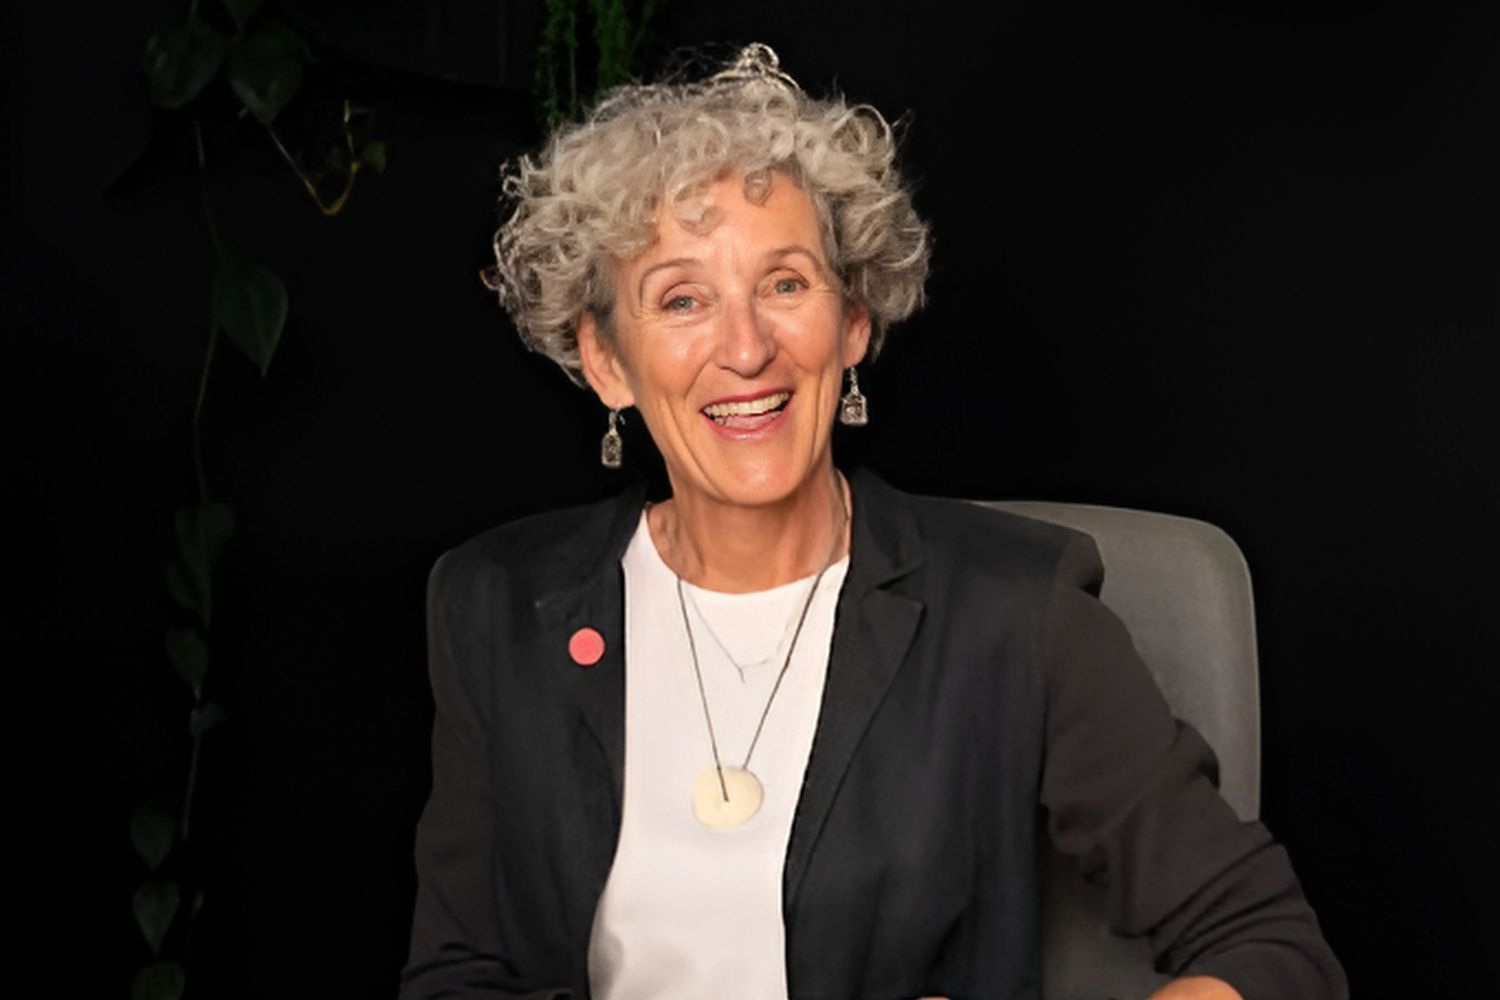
(1183, 590)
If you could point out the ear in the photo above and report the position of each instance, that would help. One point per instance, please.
(856, 333)
(602, 366)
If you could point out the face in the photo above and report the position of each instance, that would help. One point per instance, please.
(732, 345)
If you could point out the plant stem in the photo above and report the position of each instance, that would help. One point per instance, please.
(192, 781)
(326, 208)
(208, 360)
(208, 211)
(573, 70)
(213, 326)
(202, 475)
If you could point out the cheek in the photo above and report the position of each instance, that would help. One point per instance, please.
(665, 374)
(822, 351)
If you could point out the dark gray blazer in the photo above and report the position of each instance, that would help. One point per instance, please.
(979, 698)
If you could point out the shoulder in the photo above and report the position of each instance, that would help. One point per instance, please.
(965, 537)
(544, 550)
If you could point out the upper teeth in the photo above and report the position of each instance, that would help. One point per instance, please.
(747, 407)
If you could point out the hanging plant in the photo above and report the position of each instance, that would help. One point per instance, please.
(620, 30)
(261, 60)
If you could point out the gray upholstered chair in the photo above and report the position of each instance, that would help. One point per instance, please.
(1183, 589)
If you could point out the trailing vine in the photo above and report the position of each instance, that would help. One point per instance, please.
(262, 60)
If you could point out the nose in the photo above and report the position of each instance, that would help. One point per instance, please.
(747, 341)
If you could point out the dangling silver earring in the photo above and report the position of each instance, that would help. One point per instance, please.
(612, 448)
(854, 409)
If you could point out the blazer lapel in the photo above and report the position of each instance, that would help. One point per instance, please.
(590, 594)
(873, 630)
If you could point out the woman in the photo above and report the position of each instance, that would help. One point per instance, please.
(847, 710)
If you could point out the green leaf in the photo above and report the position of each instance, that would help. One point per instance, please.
(155, 905)
(188, 654)
(182, 591)
(152, 832)
(180, 63)
(242, 11)
(265, 68)
(158, 981)
(373, 155)
(206, 717)
(250, 306)
(203, 533)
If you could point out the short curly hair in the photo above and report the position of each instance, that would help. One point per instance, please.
(591, 197)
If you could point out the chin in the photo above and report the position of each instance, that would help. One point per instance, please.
(761, 485)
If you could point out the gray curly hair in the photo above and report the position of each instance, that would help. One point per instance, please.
(592, 196)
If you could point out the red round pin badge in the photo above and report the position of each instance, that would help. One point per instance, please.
(586, 647)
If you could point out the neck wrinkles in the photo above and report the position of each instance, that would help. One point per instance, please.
(731, 549)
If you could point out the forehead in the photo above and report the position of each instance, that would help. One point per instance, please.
(721, 216)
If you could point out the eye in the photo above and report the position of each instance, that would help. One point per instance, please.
(788, 284)
(682, 299)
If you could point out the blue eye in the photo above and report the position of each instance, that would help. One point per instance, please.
(679, 303)
(787, 286)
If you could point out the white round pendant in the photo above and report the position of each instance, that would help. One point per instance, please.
(710, 806)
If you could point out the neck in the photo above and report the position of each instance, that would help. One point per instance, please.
(736, 549)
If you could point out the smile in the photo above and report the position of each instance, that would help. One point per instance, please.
(746, 413)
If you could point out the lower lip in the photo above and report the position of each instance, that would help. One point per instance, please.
(771, 422)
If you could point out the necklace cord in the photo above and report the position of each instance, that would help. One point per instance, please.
(806, 606)
(713, 741)
(697, 610)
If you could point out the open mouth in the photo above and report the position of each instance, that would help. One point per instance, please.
(748, 413)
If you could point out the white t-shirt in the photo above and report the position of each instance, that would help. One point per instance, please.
(690, 911)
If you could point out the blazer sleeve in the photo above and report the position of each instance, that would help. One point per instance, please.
(456, 950)
(1131, 792)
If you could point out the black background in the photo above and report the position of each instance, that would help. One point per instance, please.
(1235, 265)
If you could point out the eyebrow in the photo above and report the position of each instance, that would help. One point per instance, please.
(640, 291)
(797, 248)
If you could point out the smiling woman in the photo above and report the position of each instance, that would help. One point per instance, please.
(732, 341)
(785, 734)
